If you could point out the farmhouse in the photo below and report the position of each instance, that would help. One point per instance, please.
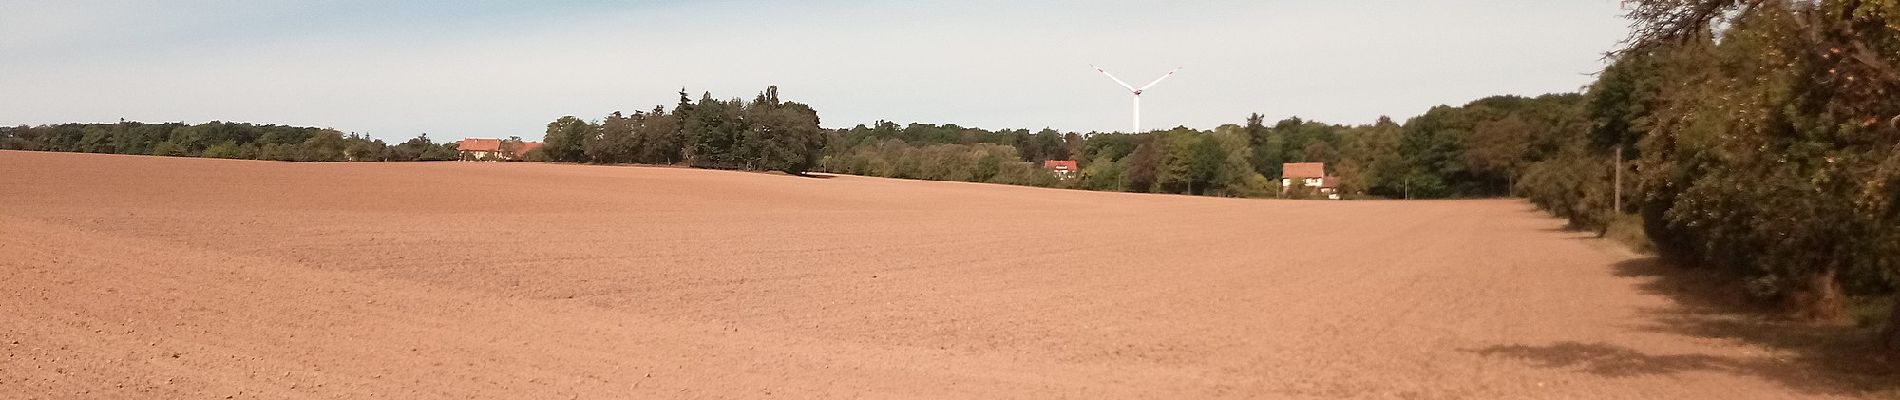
(476, 149)
(1309, 177)
(1062, 169)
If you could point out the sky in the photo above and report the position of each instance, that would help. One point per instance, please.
(454, 69)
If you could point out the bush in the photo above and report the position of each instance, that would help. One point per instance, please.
(1628, 230)
(1024, 173)
(980, 162)
(222, 150)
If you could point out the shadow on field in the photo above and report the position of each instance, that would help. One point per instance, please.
(1615, 361)
(1709, 305)
(1563, 229)
(1813, 359)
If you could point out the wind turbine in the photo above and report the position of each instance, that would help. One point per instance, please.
(1136, 91)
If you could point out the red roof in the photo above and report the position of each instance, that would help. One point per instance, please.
(1330, 182)
(473, 144)
(1059, 165)
(494, 145)
(1303, 170)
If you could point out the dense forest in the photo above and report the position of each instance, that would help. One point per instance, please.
(221, 140)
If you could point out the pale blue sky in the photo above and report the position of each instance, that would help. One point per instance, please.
(455, 69)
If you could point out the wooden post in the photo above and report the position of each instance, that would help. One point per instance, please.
(1617, 181)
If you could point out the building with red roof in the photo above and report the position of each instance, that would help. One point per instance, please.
(478, 149)
(1309, 177)
(1062, 169)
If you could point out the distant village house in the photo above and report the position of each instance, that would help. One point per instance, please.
(1309, 177)
(1062, 169)
(475, 149)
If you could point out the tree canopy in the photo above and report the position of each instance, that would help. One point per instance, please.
(221, 140)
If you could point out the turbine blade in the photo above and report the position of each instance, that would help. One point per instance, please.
(1117, 81)
(1158, 80)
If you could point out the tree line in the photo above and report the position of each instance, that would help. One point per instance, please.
(1476, 150)
(1425, 158)
(765, 133)
(1756, 138)
(221, 140)
(1760, 138)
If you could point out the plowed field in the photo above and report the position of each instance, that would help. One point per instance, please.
(149, 277)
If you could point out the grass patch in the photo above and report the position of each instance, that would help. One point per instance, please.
(1869, 311)
(1627, 229)
(1819, 358)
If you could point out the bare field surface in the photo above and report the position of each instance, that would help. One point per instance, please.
(147, 277)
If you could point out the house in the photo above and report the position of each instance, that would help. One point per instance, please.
(1309, 176)
(525, 148)
(476, 149)
(1062, 169)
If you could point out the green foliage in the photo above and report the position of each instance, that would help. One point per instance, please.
(977, 162)
(786, 135)
(1296, 189)
(1104, 174)
(167, 149)
(1023, 173)
(1144, 165)
(222, 150)
(220, 140)
(763, 134)
(1627, 229)
(1204, 163)
(1772, 154)
(1573, 184)
(323, 146)
(568, 138)
(1109, 146)
(618, 141)
(421, 148)
(360, 148)
(1370, 162)
(1047, 144)
(1175, 161)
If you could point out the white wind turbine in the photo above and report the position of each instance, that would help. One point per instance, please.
(1136, 91)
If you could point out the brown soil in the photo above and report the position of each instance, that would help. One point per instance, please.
(146, 277)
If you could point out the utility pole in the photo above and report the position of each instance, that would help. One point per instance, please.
(1616, 192)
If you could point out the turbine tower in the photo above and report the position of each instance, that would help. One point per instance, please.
(1136, 91)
